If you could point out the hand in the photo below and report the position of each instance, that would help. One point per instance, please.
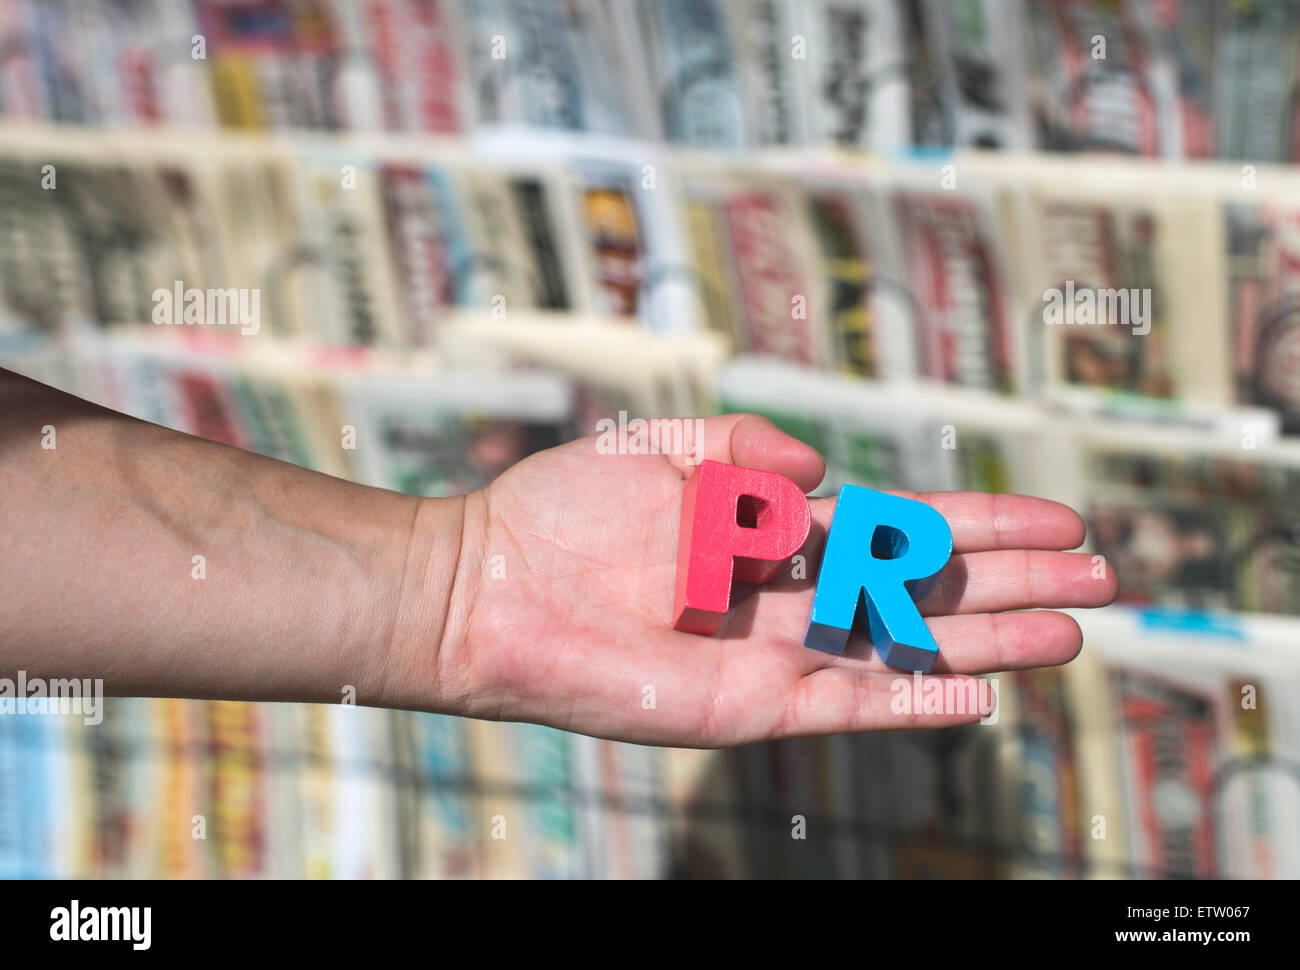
(571, 625)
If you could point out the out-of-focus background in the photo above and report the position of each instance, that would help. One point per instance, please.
(428, 237)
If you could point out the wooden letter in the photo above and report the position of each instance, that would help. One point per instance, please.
(883, 552)
(737, 523)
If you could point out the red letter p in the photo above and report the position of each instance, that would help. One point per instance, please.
(739, 521)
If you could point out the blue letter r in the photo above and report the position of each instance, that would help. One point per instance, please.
(886, 552)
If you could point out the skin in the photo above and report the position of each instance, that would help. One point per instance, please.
(544, 597)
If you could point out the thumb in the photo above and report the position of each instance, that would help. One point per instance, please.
(755, 442)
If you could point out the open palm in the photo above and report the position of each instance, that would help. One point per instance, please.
(568, 621)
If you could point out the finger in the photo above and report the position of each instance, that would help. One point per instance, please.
(752, 441)
(985, 643)
(840, 700)
(972, 643)
(981, 521)
(971, 583)
(1018, 579)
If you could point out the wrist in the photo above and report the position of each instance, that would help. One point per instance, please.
(425, 657)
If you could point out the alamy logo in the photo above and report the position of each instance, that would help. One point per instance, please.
(211, 308)
(102, 924)
(657, 436)
(36, 695)
(945, 695)
(1086, 305)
